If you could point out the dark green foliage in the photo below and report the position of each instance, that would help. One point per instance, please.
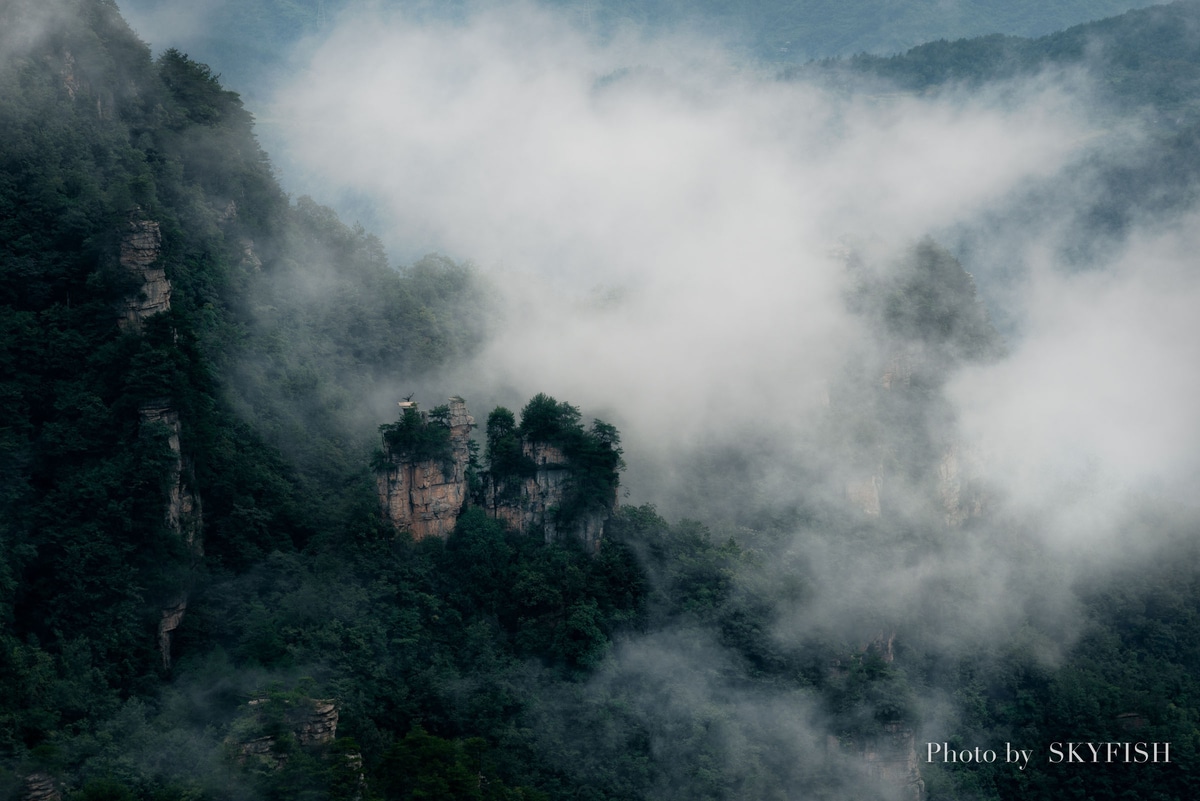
(594, 456)
(504, 454)
(433, 635)
(94, 136)
(933, 300)
(695, 580)
(417, 437)
(1131, 677)
(454, 663)
(554, 601)
(104, 790)
(422, 766)
(546, 420)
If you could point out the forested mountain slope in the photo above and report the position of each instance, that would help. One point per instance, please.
(1144, 61)
(1140, 74)
(200, 597)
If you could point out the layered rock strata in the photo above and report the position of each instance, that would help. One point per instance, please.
(183, 517)
(41, 787)
(426, 496)
(312, 721)
(531, 504)
(140, 248)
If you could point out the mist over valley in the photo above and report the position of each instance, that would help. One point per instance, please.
(762, 420)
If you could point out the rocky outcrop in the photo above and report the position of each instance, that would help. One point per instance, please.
(140, 248)
(426, 496)
(250, 259)
(182, 517)
(183, 512)
(318, 725)
(312, 722)
(260, 750)
(884, 752)
(531, 504)
(890, 758)
(71, 81)
(883, 646)
(171, 617)
(1132, 721)
(77, 86)
(959, 493)
(41, 787)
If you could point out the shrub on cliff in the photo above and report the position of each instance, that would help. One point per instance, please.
(505, 457)
(416, 437)
(593, 455)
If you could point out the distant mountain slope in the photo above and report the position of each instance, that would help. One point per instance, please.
(245, 41)
(1142, 66)
(161, 345)
(198, 601)
(1143, 60)
(802, 29)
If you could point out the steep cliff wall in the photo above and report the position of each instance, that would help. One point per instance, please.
(311, 721)
(890, 757)
(959, 490)
(425, 496)
(41, 787)
(140, 248)
(183, 516)
(531, 504)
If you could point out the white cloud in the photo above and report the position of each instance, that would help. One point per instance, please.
(706, 198)
(1095, 407)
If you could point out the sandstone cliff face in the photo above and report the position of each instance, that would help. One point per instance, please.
(426, 497)
(182, 516)
(318, 726)
(530, 504)
(949, 472)
(958, 488)
(140, 248)
(41, 787)
(312, 721)
(886, 755)
(250, 259)
(891, 759)
(183, 506)
(888, 758)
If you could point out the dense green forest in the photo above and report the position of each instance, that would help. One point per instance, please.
(489, 665)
